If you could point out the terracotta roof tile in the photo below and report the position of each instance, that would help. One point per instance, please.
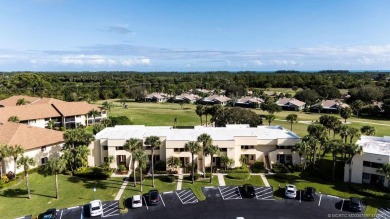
(28, 112)
(74, 108)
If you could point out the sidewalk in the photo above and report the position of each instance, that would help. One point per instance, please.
(221, 179)
(124, 184)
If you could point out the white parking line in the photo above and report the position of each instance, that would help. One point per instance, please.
(179, 197)
(333, 196)
(146, 204)
(168, 192)
(319, 202)
(221, 193)
(162, 199)
(209, 187)
(73, 207)
(342, 204)
(61, 214)
(111, 215)
(110, 205)
(300, 196)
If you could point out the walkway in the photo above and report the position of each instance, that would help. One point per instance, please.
(221, 179)
(265, 181)
(180, 179)
(123, 187)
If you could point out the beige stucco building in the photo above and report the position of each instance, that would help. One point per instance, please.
(268, 144)
(376, 152)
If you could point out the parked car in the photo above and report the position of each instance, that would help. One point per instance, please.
(248, 191)
(290, 191)
(354, 204)
(96, 208)
(309, 194)
(50, 214)
(153, 197)
(136, 201)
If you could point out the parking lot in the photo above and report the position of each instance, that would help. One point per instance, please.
(383, 213)
(234, 192)
(110, 209)
(230, 192)
(186, 196)
(264, 193)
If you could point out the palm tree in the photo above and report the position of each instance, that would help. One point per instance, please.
(154, 143)
(344, 133)
(3, 154)
(26, 162)
(345, 113)
(50, 124)
(200, 111)
(132, 145)
(385, 169)
(206, 112)
(206, 141)
(107, 105)
(15, 151)
(353, 132)
(142, 159)
(173, 162)
(22, 102)
(357, 105)
(352, 150)
(335, 147)
(226, 161)
(269, 118)
(193, 147)
(243, 159)
(81, 156)
(212, 150)
(106, 122)
(13, 119)
(368, 130)
(55, 166)
(291, 118)
(303, 149)
(336, 127)
(93, 113)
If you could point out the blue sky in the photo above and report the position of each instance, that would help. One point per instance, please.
(194, 35)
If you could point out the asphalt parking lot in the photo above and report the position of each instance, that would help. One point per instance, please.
(383, 213)
(234, 192)
(110, 209)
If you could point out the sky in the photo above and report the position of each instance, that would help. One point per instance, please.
(194, 35)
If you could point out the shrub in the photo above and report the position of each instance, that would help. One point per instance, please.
(238, 176)
(122, 168)
(168, 178)
(196, 177)
(4, 179)
(160, 172)
(93, 173)
(137, 176)
(258, 167)
(160, 166)
(279, 168)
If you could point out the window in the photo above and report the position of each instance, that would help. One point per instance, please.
(178, 149)
(283, 147)
(43, 148)
(376, 165)
(44, 160)
(366, 175)
(247, 146)
(105, 148)
(366, 164)
(223, 149)
(119, 148)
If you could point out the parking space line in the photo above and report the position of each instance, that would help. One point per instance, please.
(111, 215)
(383, 211)
(111, 205)
(342, 204)
(221, 193)
(146, 204)
(187, 195)
(300, 196)
(162, 199)
(319, 202)
(260, 195)
(73, 207)
(61, 214)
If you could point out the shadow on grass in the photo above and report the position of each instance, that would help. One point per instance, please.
(98, 184)
(49, 196)
(15, 193)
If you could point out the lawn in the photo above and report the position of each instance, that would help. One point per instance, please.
(197, 186)
(255, 180)
(73, 191)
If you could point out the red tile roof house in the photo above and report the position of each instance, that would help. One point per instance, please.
(39, 111)
(38, 143)
(291, 104)
(248, 101)
(329, 106)
(157, 97)
(216, 99)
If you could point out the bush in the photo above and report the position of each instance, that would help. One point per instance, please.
(137, 176)
(160, 172)
(258, 167)
(120, 120)
(196, 177)
(122, 168)
(93, 173)
(238, 176)
(4, 179)
(279, 168)
(160, 166)
(168, 179)
(298, 167)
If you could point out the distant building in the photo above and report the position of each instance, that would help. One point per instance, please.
(291, 104)
(376, 152)
(186, 98)
(269, 144)
(329, 106)
(216, 99)
(157, 97)
(38, 143)
(248, 101)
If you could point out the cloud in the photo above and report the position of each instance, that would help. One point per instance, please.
(98, 60)
(119, 30)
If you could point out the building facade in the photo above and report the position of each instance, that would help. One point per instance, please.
(364, 167)
(268, 144)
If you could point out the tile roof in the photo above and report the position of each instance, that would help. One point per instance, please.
(187, 96)
(74, 108)
(249, 99)
(218, 98)
(287, 101)
(28, 112)
(28, 137)
(11, 101)
(157, 96)
(329, 104)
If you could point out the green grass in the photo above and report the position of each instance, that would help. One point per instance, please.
(197, 186)
(254, 180)
(161, 186)
(73, 191)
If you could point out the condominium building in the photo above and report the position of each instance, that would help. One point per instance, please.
(269, 144)
(364, 167)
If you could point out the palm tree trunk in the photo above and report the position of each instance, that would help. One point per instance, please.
(57, 194)
(152, 167)
(291, 126)
(193, 167)
(135, 181)
(349, 172)
(1, 168)
(211, 169)
(204, 164)
(140, 176)
(27, 185)
(334, 168)
(201, 122)
(206, 120)
(15, 158)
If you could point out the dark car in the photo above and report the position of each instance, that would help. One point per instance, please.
(153, 197)
(309, 194)
(354, 204)
(248, 191)
(50, 214)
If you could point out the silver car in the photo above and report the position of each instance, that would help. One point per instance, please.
(290, 191)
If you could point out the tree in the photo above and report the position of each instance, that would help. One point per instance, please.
(206, 140)
(22, 102)
(243, 159)
(345, 113)
(154, 143)
(200, 112)
(335, 147)
(212, 150)
(110, 160)
(106, 122)
(356, 106)
(367, 130)
(271, 107)
(142, 159)
(291, 118)
(353, 132)
(385, 169)
(13, 119)
(50, 124)
(344, 132)
(236, 115)
(93, 113)
(81, 156)
(366, 93)
(308, 96)
(3, 154)
(352, 150)
(55, 166)
(107, 105)
(193, 147)
(328, 92)
(173, 162)
(15, 151)
(97, 128)
(131, 146)
(226, 161)
(303, 149)
(269, 118)
(26, 162)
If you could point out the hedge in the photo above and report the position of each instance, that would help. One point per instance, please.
(168, 179)
(258, 167)
(93, 173)
(240, 173)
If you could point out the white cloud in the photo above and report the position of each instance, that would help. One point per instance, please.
(98, 60)
(135, 61)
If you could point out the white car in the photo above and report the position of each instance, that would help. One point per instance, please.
(136, 201)
(290, 191)
(96, 208)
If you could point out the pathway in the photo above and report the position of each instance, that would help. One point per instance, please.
(180, 179)
(265, 181)
(123, 187)
(221, 179)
